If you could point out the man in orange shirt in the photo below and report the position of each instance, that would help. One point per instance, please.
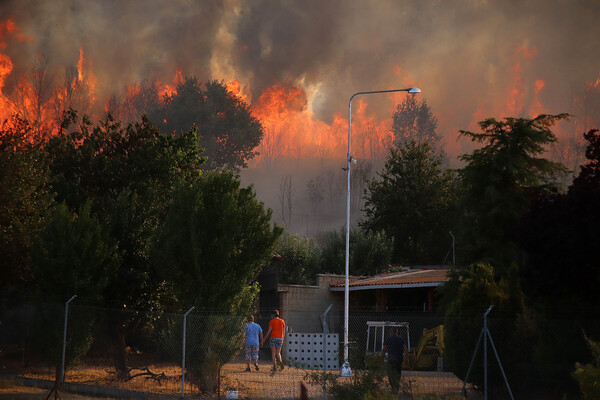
(276, 330)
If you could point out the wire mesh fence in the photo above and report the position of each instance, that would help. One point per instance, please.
(198, 356)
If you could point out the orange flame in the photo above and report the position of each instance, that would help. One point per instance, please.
(514, 100)
(291, 130)
(235, 88)
(6, 67)
(170, 89)
(32, 99)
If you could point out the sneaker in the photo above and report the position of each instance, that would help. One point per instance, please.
(256, 366)
(281, 366)
(248, 369)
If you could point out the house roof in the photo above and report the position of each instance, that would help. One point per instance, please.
(408, 278)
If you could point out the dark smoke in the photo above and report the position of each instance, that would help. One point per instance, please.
(463, 54)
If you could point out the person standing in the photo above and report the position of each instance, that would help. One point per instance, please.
(394, 346)
(254, 336)
(276, 330)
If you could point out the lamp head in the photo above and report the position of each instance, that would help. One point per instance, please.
(414, 90)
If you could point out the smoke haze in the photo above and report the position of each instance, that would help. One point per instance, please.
(472, 59)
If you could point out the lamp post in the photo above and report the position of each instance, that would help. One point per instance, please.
(346, 371)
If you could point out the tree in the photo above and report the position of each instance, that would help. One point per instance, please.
(299, 260)
(560, 234)
(286, 199)
(316, 189)
(25, 199)
(370, 252)
(413, 201)
(500, 179)
(214, 241)
(128, 173)
(468, 294)
(413, 121)
(215, 231)
(72, 255)
(74, 93)
(228, 131)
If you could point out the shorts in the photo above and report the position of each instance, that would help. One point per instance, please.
(251, 352)
(276, 342)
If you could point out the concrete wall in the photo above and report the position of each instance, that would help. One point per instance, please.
(301, 305)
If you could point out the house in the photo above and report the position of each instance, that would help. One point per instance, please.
(301, 305)
(412, 288)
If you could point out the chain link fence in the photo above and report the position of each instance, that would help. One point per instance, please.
(141, 351)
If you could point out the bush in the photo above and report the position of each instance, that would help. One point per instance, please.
(588, 375)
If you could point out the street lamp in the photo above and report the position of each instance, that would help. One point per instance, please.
(346, 371)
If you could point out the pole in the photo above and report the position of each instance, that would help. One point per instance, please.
(453, 247)
(183, 355)
(325, 333)
(62, 367)
(485, 362)
(346, 371)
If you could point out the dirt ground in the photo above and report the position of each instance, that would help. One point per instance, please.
(262, 384)
(13, 392)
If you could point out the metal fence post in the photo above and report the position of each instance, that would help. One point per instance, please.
(183, 355)
(485, 361)
(325, 332)
(485, 333)
(62, 367)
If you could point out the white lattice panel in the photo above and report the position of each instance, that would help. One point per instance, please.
(306, 350)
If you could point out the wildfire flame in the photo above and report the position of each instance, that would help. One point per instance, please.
(170, 89)
(291, 129)
(235, 88)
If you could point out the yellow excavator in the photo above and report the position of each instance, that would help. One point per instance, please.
(428, 354)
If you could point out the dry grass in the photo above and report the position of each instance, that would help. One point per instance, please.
(262, 384)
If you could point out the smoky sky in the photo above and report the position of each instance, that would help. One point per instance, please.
(464, 55)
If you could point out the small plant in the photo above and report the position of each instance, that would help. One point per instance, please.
(369, 384)
(588, 375)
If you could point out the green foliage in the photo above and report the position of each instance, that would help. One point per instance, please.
(72, 255)
(469, 293)
(212, 340)
(500, 179)
(413, 201)
(214, 241)
(128, 174)
(588, 375)
(100, 162)
(370, 252)
(562, 229)
(228, 131)
(24, 201)
(369, 384)
(215, 232)
(589, 176)
(299, 260)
